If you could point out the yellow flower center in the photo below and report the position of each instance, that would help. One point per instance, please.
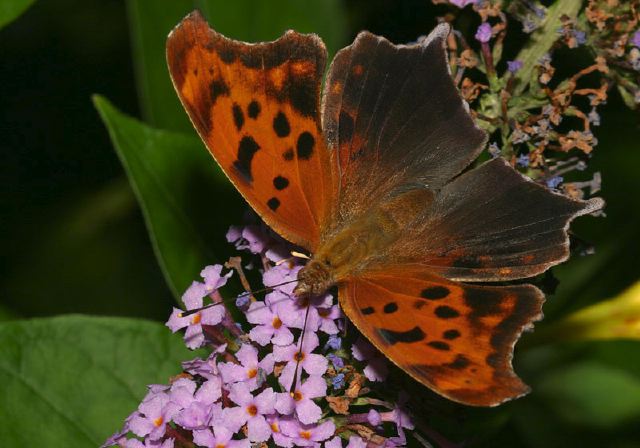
(251, 373)
(275, 427)
(305, 435)
(252, 410)
(196, 319)
(158, 421)
(277, 323)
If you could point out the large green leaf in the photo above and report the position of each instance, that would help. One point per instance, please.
(70, 381)
(250, 20)
(11, 10)
(186, 200)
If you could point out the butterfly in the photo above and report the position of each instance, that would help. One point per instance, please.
(370, 176)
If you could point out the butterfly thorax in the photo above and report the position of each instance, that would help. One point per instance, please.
(355, 245)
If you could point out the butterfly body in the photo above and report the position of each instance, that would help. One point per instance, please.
(370, 178)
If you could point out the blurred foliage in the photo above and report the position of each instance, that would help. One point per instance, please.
(74, 241)
(11, 10)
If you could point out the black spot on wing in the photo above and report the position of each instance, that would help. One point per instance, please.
(467, 261)
(392, 337)
(273, 204)
(367, 311)
(280, 183)
(451, 334)
(419, 304)
(446, 312)
(238, 116)
(434, 293)
(218, 88)
(390, 307)
(459, 363)
(254, 109)
(288, 155)
(304, 147)
(281, 125)
(246, 150)
(439, 345)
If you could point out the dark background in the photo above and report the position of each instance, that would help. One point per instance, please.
(72, 236)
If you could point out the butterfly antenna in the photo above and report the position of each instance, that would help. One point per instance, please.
(225, 301)
(298, 354)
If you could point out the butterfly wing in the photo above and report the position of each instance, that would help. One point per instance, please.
(454, 338)
(394, 117)
(491, 224)
(256, 107)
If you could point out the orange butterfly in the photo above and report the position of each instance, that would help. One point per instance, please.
(368, 179)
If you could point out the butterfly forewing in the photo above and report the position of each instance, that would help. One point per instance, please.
(256, 107)
(456, 339)
(395, 118)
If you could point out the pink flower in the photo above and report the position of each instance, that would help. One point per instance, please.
(192, 298)
(376, 369)
(269, 321)
(249, 370)
(251, 410)
(219, 437)
(311, 363)
(484, 33)
(154, 414)
(307, 435)
(301, 401)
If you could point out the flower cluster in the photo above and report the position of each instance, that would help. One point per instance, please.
(540, 121)
(286, 378)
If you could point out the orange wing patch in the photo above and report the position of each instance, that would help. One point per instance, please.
(454, 338)
(256, 106)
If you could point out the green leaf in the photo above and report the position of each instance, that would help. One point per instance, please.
(12, 9)
(542, 39)
(187, 202)
(71, 381)
(250, 20)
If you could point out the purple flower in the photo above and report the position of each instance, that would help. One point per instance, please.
(554, 181)
(219, 437)
(462, 3)
(198, 409)
(374, 417)
(269, 321)
(514, 66)
(494, 151)
(635, 39)
(338, 381)
(212, 278)
(307, 435)
(257, 238)
(376, 369)
(523, 160)
(325, 319)
(484, 33)
(311, 363)
(205, 368)
(337, 361)
(336, 442)
(301, 400)
(278, 437)
(135, 443)
(249, 368)
(251, 410)
(282, 273)
(334, 342)
(192, 298)
(356, 442)
(154, 413)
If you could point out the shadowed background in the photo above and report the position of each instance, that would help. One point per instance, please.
(74, 239)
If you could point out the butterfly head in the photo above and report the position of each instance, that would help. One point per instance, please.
(314, 279)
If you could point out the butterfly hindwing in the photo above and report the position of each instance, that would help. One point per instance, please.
(455, 338)
(256, 107)
(492, 224)
(394, 116)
